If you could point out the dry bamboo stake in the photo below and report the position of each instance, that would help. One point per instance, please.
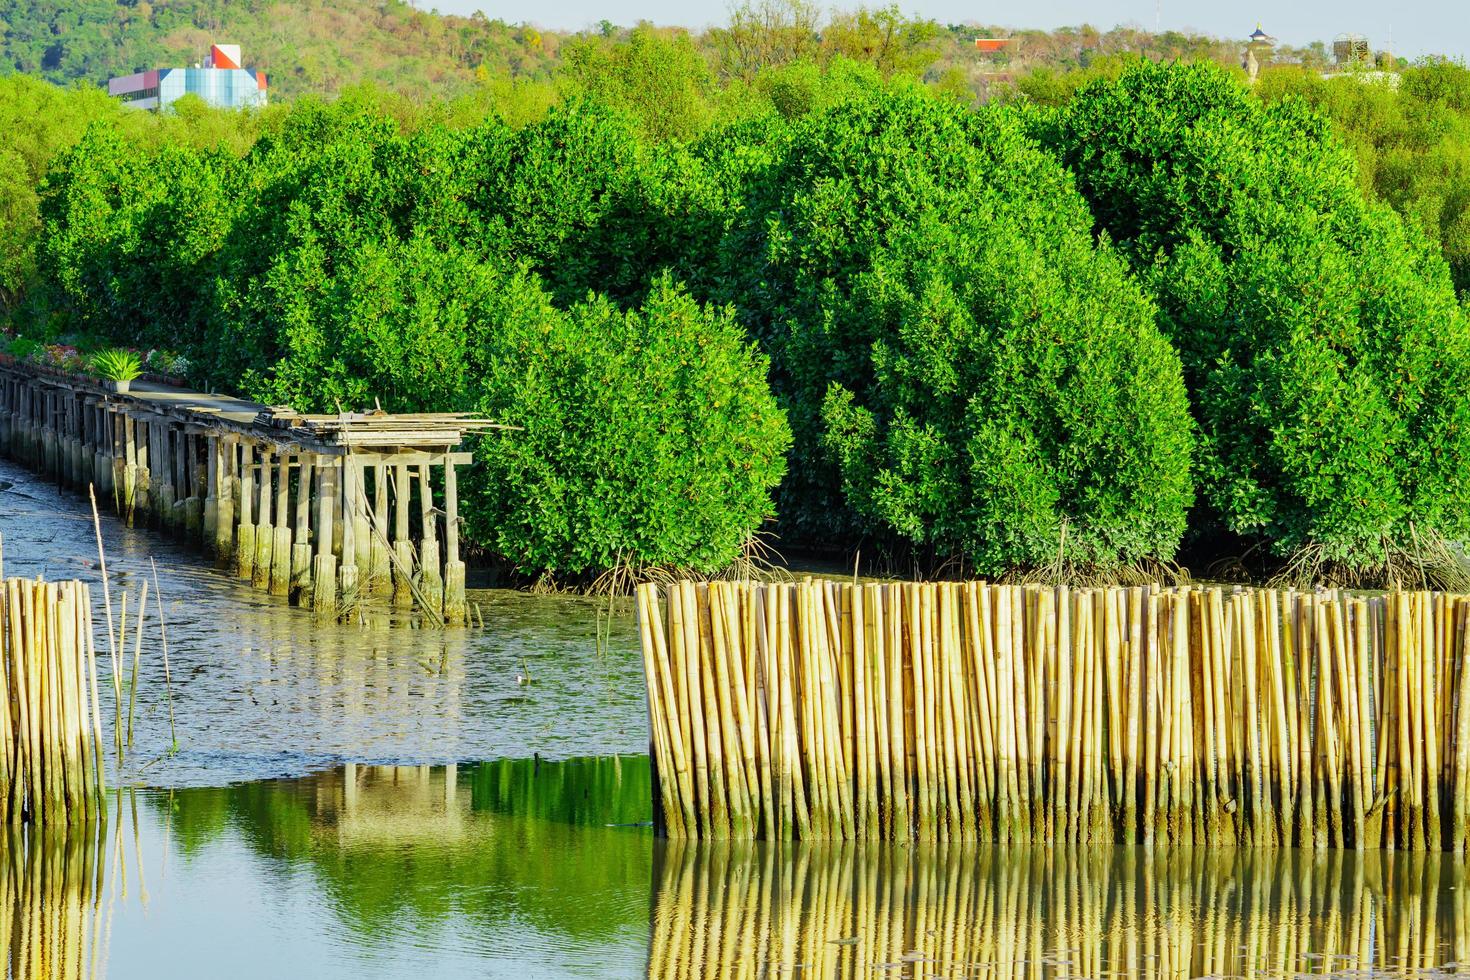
(1151, 697)
(1062, 744)
(732, 776)
(1414, 688)
(137, 657)
(1460, 787)
(665, 750)
(1429, 658)
(696, 611)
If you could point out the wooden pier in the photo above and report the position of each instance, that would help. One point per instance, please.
(331, 510)
(952, 711)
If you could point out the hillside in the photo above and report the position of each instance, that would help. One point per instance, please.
(305, 46)
(317, 47)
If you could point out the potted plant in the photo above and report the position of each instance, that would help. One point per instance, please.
(117, 368)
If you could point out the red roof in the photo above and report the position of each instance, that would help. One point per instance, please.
(992, 43)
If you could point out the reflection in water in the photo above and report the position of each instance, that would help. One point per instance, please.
(50, 894)
(527, 870)
(260, 690)
(746, 910)
(55, 906)
(511, 858)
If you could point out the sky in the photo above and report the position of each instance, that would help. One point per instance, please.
(1417, 27)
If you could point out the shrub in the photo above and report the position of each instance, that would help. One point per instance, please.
(1023, 412)
(956, 355)
(391, 322)
(1325, 353)
(646, 436)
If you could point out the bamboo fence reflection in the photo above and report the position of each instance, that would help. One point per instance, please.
(969, 711)
(733, 909)
(51, 912)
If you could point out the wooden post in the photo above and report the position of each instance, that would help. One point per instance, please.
(129, 498)
(337, 522)
(351, 500)
(245, 538)
(156, 478)
(224, 503)
(281, 550)
(84, 431)
(211, 496)
(301, 591)
(454, 589)
(72, 442)
(102, 455)
(178, 460)
(379, 576)
(357, 506)
(265, 531)
(48, 434)
(431, 581)
(197, 475)
(324, 568)
(402, 547)
(143, 479)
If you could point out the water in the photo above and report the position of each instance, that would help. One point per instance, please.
(260, 690)
(308, 826)
(521, 869)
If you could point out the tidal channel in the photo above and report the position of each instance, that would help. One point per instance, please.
(322, 815)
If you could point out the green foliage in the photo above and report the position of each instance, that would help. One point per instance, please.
(22, 348)
(1322, 344)
(957, 357)
(131, 236)
(646, 436)
(116, 364)
(660, 78)
(343, 262)
(1412, 143)
(966, 368)
(39, 121)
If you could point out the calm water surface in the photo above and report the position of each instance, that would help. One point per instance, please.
(260, 690)
(519, 869)
(314, 823)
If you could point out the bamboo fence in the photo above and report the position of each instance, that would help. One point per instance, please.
(51, 750)
(737, 909)
(969, 711)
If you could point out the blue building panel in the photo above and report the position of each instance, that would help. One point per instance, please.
(227, 88)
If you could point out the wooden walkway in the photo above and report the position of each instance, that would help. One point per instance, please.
(321, 508)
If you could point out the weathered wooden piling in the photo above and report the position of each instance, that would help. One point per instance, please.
(324, 566)
(197, 470)
(349, 496)
(431, 580)
(220, 472)
(380, 579)
(245, 532)
(301, 589)
(402, 545)
(454, 570)
(281, 548)
(969, 711)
